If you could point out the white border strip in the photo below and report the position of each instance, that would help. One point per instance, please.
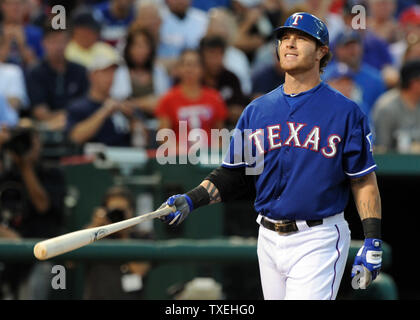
(234, 164)
(355, 174)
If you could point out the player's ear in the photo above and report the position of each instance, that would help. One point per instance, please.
(322, 51)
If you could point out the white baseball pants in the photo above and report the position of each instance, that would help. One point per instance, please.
(304, 265)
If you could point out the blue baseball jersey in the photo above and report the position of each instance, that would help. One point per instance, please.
(309, 145)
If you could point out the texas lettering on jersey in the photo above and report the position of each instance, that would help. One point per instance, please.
(307, 144)
(310, 142)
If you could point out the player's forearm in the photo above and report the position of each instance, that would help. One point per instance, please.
(214, 193)
(204, 194)
(366, 196)
(222, 185)
(368, 202)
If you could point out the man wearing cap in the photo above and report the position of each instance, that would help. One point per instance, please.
(85, 42)
(116, 17)
(397, 113)
(96, 117)
(348, 49)
(55, 81)
(298, 151)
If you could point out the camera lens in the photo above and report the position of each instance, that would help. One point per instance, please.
(20, 141)
(115, 215)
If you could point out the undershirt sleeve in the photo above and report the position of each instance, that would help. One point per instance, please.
(233, 183)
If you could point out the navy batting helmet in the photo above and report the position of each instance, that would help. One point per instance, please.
(307, 23)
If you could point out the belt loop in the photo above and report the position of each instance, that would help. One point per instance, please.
(302, 225)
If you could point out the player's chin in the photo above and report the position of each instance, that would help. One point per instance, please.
(291, 69)
(294, 68)
(288, 64)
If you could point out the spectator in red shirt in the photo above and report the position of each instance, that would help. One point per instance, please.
(199, 106)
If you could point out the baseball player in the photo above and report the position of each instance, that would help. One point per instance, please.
(315, 147)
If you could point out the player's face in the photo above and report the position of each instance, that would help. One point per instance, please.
(298, 52)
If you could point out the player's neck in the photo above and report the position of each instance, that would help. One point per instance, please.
(297, 83)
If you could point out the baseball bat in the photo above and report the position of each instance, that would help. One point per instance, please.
(70, 241)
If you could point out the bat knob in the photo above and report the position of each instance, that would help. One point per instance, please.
(40, 251)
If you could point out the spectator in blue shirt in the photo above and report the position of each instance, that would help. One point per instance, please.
(12, 80)
(376, 51)
(55, 81)
(209, 4)
(22, 42)
(8, 116)
(348, 49)
(182, 27)
(341, 78)
(115, 16)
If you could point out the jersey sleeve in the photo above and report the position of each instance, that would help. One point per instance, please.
(358, 150)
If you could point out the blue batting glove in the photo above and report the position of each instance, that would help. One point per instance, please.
(183, 205)
(367, 263)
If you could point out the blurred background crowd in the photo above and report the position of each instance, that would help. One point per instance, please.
(121, 70)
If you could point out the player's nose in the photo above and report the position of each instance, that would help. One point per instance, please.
(292, 42)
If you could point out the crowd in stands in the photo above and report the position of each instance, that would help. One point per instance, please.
(122, 68)
(119, 65)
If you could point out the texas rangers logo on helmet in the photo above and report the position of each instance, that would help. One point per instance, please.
(296, 18)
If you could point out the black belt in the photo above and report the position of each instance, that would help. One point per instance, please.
(287, 226)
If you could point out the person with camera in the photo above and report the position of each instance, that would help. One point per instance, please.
(119, 280)
(31, 205)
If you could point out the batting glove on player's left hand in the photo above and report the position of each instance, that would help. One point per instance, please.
(183, 205)
(367, 263)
